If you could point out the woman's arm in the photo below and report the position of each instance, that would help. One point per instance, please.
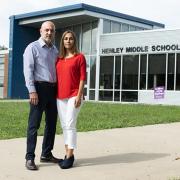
(77, 102)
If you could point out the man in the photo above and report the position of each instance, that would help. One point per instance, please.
(40, 76)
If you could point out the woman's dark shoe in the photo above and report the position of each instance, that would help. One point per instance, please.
(67, 162)
(61, 161)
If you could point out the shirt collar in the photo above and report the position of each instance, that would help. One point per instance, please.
(42, 43)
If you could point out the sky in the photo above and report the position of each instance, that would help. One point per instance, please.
(163, 11)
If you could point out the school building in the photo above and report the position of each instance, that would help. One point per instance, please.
(129, 59)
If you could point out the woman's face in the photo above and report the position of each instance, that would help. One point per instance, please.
(68, 41)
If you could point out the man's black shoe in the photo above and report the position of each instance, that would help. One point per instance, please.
(50, 159)
(30, 165)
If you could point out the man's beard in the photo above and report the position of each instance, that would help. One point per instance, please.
(48, 40)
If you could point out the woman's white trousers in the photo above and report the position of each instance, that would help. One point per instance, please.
(68, 118)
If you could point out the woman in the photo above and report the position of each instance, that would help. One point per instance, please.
(71, 75)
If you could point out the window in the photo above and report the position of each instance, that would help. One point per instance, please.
(125, 27)
(130, 72)
(86, 38)
(143, 60)
(117, 72)
(117, 96)
(92, 72)
(115, 27)
(106, 26)
(139, 29)
(92, 95)
(106, 78)
(105, 95)
(129, 96)
(77, 31)
(106, 72)
(178, 72)
(170, 75)
(132, 28)
(156, 70)
(94, 37)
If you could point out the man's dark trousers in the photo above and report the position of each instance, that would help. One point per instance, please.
(47, 103)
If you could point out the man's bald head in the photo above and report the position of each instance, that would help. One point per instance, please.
(50, 23)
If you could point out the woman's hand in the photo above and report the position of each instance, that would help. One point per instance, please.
(77, 102)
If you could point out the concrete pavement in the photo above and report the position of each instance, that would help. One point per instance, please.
(136, 153)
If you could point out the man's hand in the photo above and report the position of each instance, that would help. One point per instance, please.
(33, 98)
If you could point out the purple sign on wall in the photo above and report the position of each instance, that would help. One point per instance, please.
(159, 92)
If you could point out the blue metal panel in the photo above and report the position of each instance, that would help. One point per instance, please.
(82, 6)
(51, 11)
(20, 37)
(120, 15)
(10, 59)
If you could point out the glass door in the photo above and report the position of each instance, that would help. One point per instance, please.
(86, 85)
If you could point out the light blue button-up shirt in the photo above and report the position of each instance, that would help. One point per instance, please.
(39, 63)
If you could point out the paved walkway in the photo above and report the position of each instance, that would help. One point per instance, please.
(137, 153)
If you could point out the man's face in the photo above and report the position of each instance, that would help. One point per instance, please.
(47, 32)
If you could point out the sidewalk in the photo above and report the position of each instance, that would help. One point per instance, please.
(137, 153)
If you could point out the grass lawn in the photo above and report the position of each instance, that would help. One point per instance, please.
(93, 116)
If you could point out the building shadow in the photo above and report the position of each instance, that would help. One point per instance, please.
(119, 158)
